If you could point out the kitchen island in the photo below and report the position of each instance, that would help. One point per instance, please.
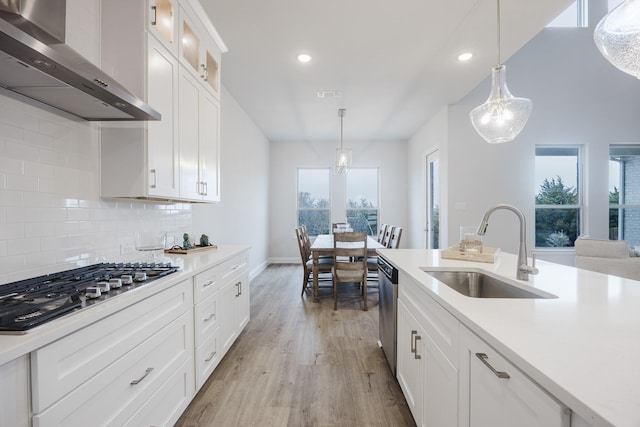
(581, 348)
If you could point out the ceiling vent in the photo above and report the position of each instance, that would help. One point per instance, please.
(329, 94)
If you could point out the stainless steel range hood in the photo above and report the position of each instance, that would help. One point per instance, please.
(35, 62)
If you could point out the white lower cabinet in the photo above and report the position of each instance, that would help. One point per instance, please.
(451, 377)
(429, 379)
(109, 371)
(221, 311)
(500, 395)
(15, 410)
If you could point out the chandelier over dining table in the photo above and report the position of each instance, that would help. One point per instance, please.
(343, 156)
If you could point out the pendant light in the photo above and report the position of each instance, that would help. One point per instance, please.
(617, 36)
(343, 157)
(502, 116)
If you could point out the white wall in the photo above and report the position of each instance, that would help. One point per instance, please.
(430, 138)
(389, 156)
(579, 98)
(242, 215)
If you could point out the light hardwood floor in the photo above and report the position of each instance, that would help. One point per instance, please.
(300, 363)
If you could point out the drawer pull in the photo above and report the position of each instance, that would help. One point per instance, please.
(483, 358)
(415, 353)
(209, 317)
(207, 284)
(211, 356)
(413, 348)
(139, 380)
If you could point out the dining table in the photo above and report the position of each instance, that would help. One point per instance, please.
(323, 246)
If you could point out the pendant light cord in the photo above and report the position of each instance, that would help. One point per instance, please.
(498, 32)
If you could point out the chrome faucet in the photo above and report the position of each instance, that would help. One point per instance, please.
(523, 270)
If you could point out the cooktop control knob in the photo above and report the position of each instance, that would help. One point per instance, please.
(92, 292)
(103, 286)
(115, 283)
(140, 276)
(127, 279)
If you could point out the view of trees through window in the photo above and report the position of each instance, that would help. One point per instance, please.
(362, 200)
(624, 193)
(558, 201)
(314, 206)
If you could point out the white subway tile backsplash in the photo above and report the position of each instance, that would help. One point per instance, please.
(23, 246)
(16, 214)
(21, 183)
(51, 215)
(12, 231)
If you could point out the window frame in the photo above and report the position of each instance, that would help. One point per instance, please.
(580, 191)
(370, 231)
(622, 204)
(327, 209)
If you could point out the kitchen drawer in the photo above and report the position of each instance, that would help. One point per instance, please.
(205, 318)
(237, 264)
(205, 284)
(112, 396)
(169, 402)
(64, 365)
(441, 326)
(207, 358)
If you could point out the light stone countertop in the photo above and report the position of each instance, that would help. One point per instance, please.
(14, 346)
(583, 347)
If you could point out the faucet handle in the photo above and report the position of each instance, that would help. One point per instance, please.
(533, 269)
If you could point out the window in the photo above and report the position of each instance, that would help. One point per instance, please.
(314, 208)
(558, 196)
(362, 200)
(573, 16)
(624, 193)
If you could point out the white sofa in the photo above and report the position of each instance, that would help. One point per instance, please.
(608, 257)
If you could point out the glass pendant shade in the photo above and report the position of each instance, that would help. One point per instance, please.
(502, 116)
(617, 36)
(343, 161)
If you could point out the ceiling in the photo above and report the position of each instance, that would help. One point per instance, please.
(394, 62)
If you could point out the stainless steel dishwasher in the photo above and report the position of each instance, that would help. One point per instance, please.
(388, 297)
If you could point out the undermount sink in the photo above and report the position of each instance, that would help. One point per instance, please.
(480, 285)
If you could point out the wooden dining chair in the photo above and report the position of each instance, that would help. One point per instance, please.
(324, 263)
(381, 231)
(386, 239)
(396, 234)
(350, 264)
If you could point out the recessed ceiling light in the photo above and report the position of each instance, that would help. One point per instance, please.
(303, 57)
(465, 56)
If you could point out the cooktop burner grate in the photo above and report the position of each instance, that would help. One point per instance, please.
(28, 303)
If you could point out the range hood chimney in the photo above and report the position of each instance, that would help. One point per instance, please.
(36, 62)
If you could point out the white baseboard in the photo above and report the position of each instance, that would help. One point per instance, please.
(284, 260)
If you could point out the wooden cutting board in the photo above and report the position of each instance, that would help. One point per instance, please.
(179, 250)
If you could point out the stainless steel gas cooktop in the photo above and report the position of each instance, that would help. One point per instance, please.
(29, 303)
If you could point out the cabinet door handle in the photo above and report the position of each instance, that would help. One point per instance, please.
(139, 380)
(415, 353)
(211, 356)
(155, 182)
(204, 74)
(238, 292)
(413, 348)
(483, 358)
(209, 317)
(205, 189)
(154, 21)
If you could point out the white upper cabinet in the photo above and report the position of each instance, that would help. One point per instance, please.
(139, 159)
(199, 53)
(162, 22)
(166, 54)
